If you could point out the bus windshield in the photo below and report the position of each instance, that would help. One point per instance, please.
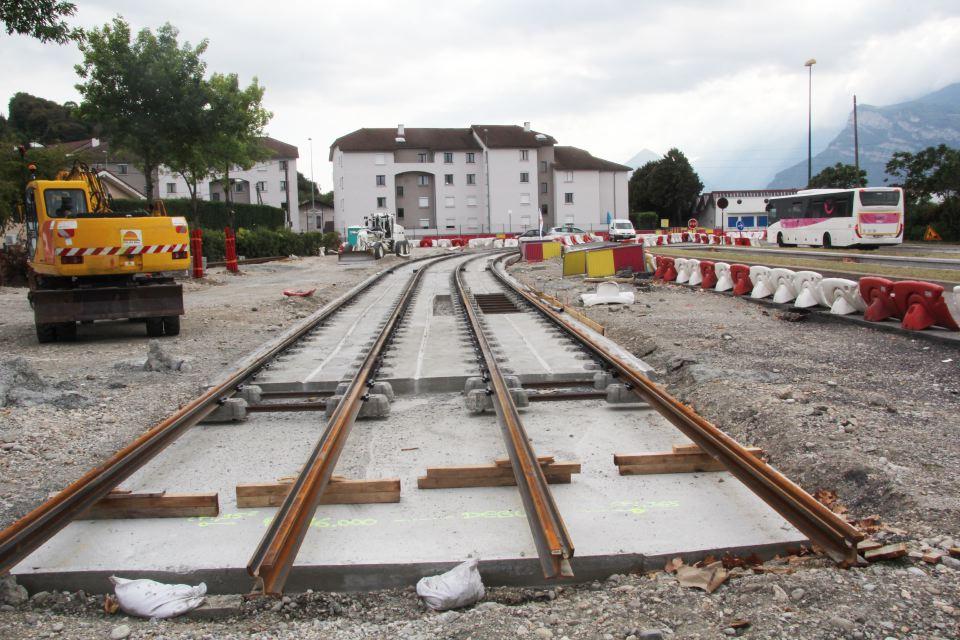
(65, 203)
(879, 198)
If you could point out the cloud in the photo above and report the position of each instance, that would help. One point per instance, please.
(724, 81)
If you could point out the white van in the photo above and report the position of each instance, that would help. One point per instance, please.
(621, 229)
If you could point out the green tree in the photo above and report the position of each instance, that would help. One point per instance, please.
(839, 176)
(14, 175)
(36, 119)
(668, 186)
(41, 19)
(144, 93)
(931, 172)
(226, 133)
(303, 188)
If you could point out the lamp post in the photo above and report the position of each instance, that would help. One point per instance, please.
(313, 188)
(809, 65)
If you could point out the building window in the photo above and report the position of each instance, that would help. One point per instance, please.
(341, 182)
(447, 157)
(238, 187)
(451, 223)
(424, 223)
(283, 185)
(449, 201)
(524, 221)
(568, 219)
(761, 221)
(400, 213)
(421, 157)
(424, 202)
(471, 178)
(381, 181)
(171, 187)
(122, 169)
(380, 159)
(319, 223)
(473, 223)
(448, 179)
(283, 165)
(471, 157)
(524, 198)
(215, 196)
(524, 155)
(423, 181)
(381, 203)
(544, 187)
(524, 176)
(261, 186)
(543, 165)
(471, 201)
(399, 190)
(568, 198)
(568, 176)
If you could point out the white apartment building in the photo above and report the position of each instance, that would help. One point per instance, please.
(481, 179)
(268, 182)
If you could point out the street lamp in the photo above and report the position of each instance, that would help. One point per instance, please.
(809, 65)
(313, 201)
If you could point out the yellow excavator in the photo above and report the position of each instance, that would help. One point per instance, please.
(90, 263)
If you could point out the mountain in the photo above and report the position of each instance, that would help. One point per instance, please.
(909, 126)
(642, 158)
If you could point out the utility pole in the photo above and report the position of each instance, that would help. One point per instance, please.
(809, 65)
(313, 188)
(856, 139)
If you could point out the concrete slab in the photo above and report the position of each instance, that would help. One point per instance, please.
(616, 522)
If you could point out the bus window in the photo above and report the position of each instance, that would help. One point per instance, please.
(794, 210)
(815, 208)
(879, 198)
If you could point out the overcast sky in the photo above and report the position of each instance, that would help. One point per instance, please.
(723, 81)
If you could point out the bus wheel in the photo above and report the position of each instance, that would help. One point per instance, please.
(827, 243)
(780, 240)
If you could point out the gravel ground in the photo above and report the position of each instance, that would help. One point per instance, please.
(866, 414)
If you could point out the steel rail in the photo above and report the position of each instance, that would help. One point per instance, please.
(28, 533)
(273, 559)
(823, 527)
(550, 535)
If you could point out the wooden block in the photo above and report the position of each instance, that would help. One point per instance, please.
(955, 552)
(687, 448)
(466, 482)
(124, 505)
(649, 463)
(888, 552)
(933, 557)
(338, 491)
(505, 462)
(868, 545)
(495, 471)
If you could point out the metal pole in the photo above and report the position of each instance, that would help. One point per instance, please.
(856, 140)
(809, 65)
(313, 202)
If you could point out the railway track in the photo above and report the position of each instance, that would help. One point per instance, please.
(431, 329)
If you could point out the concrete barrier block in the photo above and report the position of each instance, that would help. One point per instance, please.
(376, 405)
(520, 398)
(620, 394)
(383, 388)
(513, 382)
(251, 393)
(477, 401)
(232, 410)
(475, 382)
(602, 380)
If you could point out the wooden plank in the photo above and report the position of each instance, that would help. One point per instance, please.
(495, 471)
(272, 494)
(505, 462)
(466, 482)
(868, 545)
(127, 505)
(555, 302)
(649, 463)
(687, 448)
(888, 552)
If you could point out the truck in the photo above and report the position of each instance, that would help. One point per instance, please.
(621, 229)
(88, 263)
(377, 236)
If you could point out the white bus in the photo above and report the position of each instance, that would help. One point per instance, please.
(864, 217)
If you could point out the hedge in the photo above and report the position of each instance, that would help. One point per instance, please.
(213, 215)
(645, 220)
(944, 217)
(267, 243)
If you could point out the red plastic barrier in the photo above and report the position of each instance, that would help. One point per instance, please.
(230, 249)
(741, 279)
(921, 305)
(685, 236)
(708, 273)
(532, 251)
(877, 292)
(659, 241)
(458, 242)
(426, 243)
(196, 250)
(629, 256)
(663, 263)
(670, 273)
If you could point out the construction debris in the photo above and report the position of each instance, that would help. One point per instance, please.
(459, 587)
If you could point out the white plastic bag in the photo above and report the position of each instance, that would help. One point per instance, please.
(459, 587)
(150, 599)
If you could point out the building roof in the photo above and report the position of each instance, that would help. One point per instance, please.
(96, 146)
(279, 149)
(385, 139)
(510, 136)
(120, 184)
(752, 193)
(574, 159)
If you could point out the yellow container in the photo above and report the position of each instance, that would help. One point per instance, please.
(575, 263)
(551, 250)
(600, 263)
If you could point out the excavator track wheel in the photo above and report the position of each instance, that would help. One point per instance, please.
(46, 333)
(154, 327)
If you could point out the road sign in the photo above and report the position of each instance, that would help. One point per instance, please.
(739, 225)
(692, 223)
(723, 203)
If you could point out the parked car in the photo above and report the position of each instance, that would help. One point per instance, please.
(565, 230)
(621, 229)
(530, 233)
